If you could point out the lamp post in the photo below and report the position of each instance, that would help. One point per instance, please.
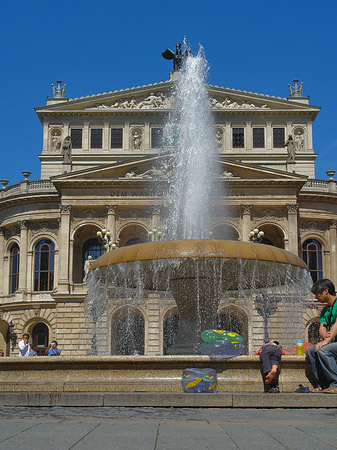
(266, 306)
(104, 239)
(256, 236)
(155, 235)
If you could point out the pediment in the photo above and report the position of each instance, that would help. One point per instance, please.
(158, 96)
(157, 168)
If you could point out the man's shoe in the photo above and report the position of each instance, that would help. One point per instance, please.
(302, 389)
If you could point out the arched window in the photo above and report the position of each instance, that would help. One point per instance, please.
(127, 332)
(44, 266)
(170, 330)
(91, 247)
(313, 333)
(40, 337)
(312, 256)
(14, 261)
(233, 319)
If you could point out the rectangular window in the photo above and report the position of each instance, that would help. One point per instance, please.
(116, 138)
(278, 137)
(258, 137)
(96, 138)
(156, 137)
(76, 137)
(238, 138)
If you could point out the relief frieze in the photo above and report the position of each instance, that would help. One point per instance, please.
(10, 232)
(44, 227)
(314, 226)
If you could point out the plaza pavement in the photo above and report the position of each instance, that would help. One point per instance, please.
(65, 428)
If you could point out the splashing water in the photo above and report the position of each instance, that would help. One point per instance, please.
(190, 129)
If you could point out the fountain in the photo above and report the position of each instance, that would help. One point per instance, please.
(188, 265)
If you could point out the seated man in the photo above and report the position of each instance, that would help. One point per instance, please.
(322, 356)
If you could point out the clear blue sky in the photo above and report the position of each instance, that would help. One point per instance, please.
(100, 46)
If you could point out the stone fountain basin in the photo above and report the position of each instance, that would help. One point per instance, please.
(234, 263)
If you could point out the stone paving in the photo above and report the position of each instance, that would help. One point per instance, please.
(103, 428)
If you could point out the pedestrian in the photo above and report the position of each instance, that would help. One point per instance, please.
(322, 356)
(2, 353)
(52, 349)
(270, 356)
(24, 345)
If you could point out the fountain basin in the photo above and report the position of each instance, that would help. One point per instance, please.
(196, 273)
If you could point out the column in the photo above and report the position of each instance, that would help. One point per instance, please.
(228, 136)
(2, 251)
(269, 136)
(111, 223)
(106, 136)
(246, 222)
(292, 229)
(333, 250)
(64, 240)
(86, 136)
(23, 256)
(249, 136)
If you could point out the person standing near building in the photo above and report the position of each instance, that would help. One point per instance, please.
(24, 345)
(322, 356)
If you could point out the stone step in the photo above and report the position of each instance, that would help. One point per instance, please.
(169, 399)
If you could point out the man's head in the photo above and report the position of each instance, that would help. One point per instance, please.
(2, 353)
(323, 290)
(26, 336)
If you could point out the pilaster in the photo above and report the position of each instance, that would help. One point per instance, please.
(228, 136)
(63, 281)
(333, 250)
(45, 136)
(106, 136)
(86, 136)
(309, 137)
(249, 136)
(146, 136)
(111, 223)
(153, 340)
(2, 251)
(246, 222)
(23, 256)
(292, 228)
(269, 136)
(126, 136)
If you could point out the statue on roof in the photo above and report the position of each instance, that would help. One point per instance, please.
(296, 90)
(59, 91)
(178, 57)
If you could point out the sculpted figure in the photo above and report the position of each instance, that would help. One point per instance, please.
(219, 136)
(299, 142)
(56, 143)
(291, 148)
(66, 150)
(130, 174)
(137, 140)
(87, 266)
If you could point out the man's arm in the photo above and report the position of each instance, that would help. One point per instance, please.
(327, 336)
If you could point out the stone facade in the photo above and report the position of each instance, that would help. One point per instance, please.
(103, 178)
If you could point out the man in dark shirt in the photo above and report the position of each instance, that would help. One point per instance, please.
(322, 356)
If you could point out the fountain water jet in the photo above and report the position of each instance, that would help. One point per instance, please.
(194, 269)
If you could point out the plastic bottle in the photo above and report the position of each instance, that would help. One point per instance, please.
(299, 347)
